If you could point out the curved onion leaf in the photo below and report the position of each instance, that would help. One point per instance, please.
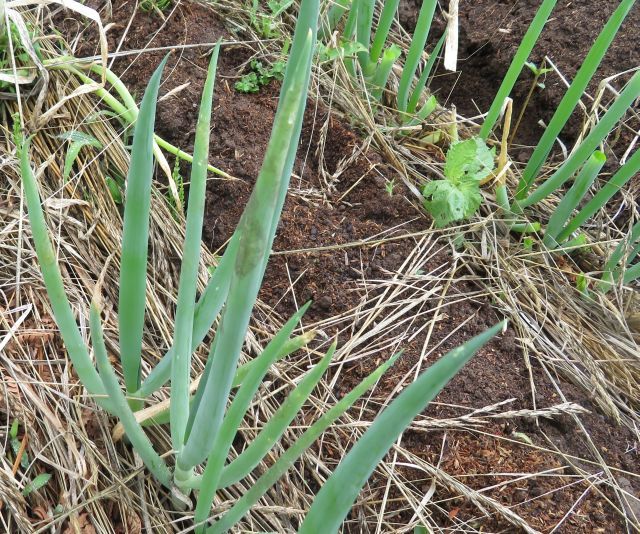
(333, 502)
(183, 329)
(62, 313)
(135, 237)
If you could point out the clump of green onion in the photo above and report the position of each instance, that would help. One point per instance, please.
(376, 60)
(203, 426)
(585, 161)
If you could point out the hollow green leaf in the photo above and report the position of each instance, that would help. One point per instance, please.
(423, 25)
(134, 431)
(183, 329)
(254, 246)
(37, 483)
(276, 426)
(627, 249)
(424, 76)
(333, 17)
(135, 237)
(213, 298)
(572, 96)
(162, 418)
(613, 186)
(233, 419)
(52, 277)
(599, 132)
(631, 274)
(207, 309)
(382, 31)
(280, 467)
(364, 22)
(382, 71)
(333, 502)
(572, 198)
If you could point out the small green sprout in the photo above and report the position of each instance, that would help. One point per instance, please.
(538, 72)
(458, 196)
(278, 7)
(179, 181)
(343, 50)
(521, 436)
(115, 184)
(248, 83)
(264, 24)
(582, 283)
(389, 186)
(259, 76)
(21, 57)
(15, 444)
(155, 5)
(17, 447)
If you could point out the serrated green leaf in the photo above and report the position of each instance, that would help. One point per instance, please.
(448, 202)
(470, 159)
(458, 196)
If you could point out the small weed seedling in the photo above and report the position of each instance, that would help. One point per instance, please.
(179, 181)
(158, 6)
(278, 7)
(77, 140)
(458, 196)
(265, 23)
(260, 76)
(536, 83)
(389, 186)
(344, 49)
(114, 189)
(20, 54)
(21, 460)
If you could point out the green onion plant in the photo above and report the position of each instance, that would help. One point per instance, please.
(585, 161)
(376, 59)
(204, 425)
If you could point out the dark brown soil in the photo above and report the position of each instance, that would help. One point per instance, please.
(241, 127)
(490, 32)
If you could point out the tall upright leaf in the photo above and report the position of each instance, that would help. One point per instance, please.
(135, 237)
(183, 330)
(599, 132)
(572, 96)
(255, 240)
(420, 34)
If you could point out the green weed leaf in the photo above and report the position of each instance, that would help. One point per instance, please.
(448, 202)
(77, 140)
(36, 484)
(458, 196)
(470, 159)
